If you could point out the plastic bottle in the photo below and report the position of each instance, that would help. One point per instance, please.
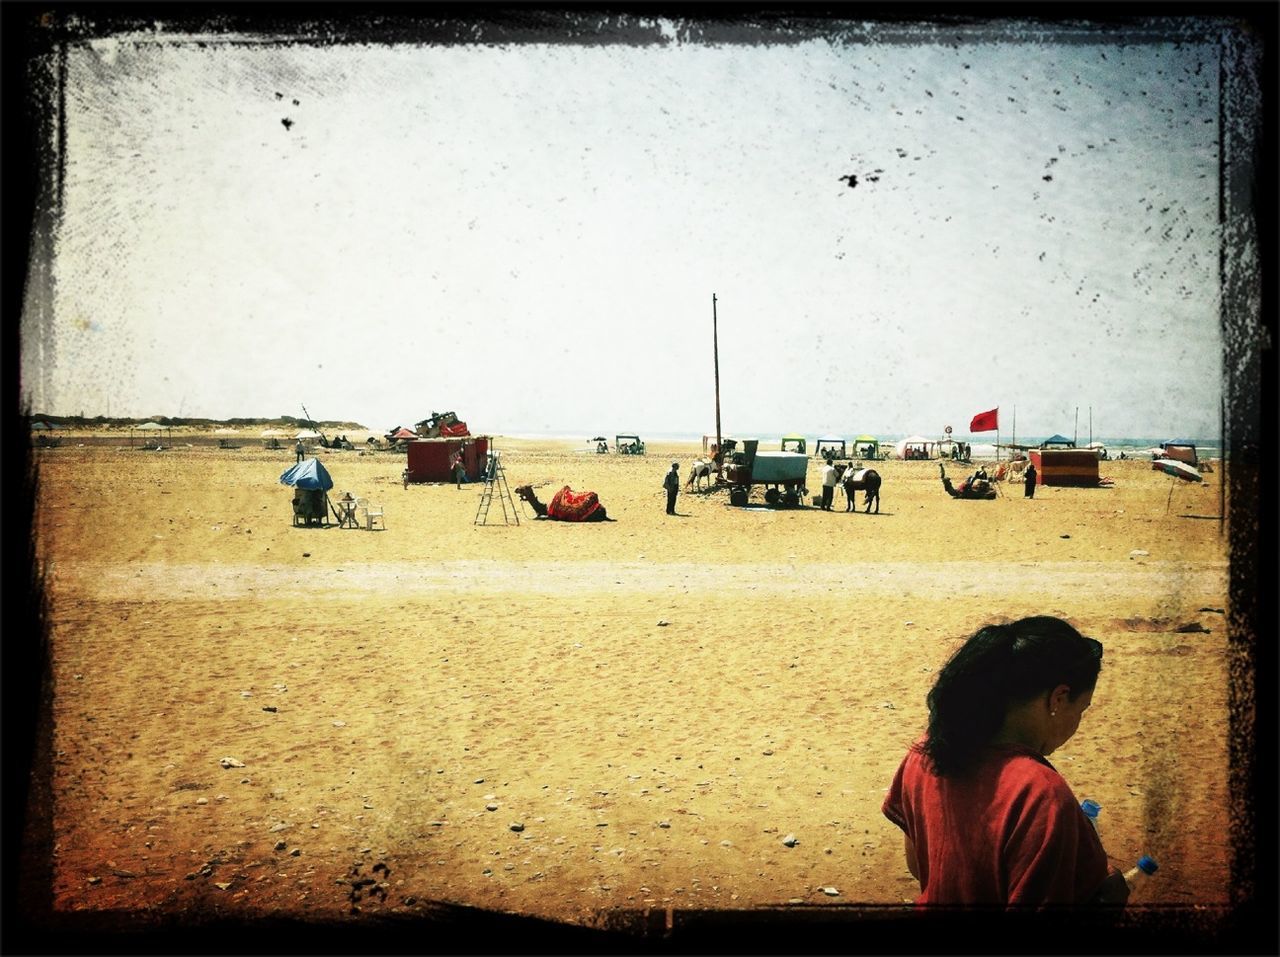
(1091, 809)
(1140, 872)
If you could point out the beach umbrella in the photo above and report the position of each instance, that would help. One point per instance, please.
(403, 433)
(273, 433)
(308, 474)
(307, 434)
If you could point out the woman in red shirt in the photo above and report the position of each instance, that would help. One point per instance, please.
(987, 819)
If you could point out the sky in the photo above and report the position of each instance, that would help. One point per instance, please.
(901, 230)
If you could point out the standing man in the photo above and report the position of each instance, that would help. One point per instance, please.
(1029, 477)
(672, 484)
(829, 479)
(458, 469)
(300, 451)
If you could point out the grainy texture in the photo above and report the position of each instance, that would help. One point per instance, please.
(649, 706)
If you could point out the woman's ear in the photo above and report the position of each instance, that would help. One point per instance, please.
(1058, 698)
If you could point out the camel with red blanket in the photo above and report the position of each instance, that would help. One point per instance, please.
(566, 505)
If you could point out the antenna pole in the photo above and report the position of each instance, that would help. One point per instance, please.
(715, 352)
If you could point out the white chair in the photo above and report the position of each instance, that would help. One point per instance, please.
(372, 514)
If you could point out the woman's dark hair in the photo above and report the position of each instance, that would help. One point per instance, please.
(1002, 665)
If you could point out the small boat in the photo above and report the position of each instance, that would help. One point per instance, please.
(1177, 469)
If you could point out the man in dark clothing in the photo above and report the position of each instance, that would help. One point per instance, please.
(300, 451)
(672, 484)
(1029, 477)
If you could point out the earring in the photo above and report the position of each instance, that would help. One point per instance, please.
(1052, 713)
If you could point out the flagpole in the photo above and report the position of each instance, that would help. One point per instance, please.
(715, 352)
(997, 433)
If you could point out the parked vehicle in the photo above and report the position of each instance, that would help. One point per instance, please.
(781, 474)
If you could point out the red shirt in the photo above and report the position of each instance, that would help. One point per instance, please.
(1008, 833)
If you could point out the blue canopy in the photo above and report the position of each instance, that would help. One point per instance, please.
(308, 473)
(1057, 440)
(1180, 442)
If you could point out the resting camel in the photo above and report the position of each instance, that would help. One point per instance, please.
(566, 505)
(972, 487)
(867, 480)
(701, 469)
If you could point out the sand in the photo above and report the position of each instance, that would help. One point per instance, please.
(566, 720)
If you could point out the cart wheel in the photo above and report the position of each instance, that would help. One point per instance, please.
(772, 496)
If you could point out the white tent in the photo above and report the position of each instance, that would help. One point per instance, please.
(274, 433)
(900, 447)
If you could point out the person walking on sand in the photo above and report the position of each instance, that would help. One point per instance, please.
(458, 469)
(672, 484)
(300, 451)
(986, 819)
(1029, 478)
(829, 479)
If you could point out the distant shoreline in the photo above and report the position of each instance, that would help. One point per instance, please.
(209, 431)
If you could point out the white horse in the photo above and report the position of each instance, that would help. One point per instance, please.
(701, 471)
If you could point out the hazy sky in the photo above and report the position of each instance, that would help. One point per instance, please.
(530, 234)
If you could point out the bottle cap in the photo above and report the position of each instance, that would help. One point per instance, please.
(1090, 807)
(1147, 864)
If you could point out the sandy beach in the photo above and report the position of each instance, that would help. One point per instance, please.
(566, 720)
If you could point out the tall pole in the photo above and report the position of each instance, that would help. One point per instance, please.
(715, 352)
(1091, 425)
(1075, 436)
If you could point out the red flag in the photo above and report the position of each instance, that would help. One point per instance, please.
(984, 421)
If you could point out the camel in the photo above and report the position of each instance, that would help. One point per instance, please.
(566, 505)
(974, 487)
(701, 469)
(867, 480)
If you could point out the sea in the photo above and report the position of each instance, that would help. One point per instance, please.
(1132, 447)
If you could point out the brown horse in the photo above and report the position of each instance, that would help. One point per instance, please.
(566, 505)
(864, 480)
